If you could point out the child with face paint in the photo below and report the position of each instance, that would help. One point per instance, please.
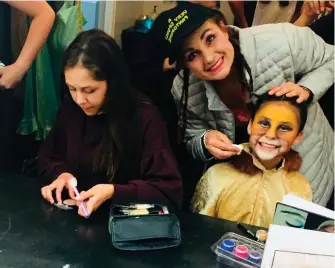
(223, 67)
(247, 188)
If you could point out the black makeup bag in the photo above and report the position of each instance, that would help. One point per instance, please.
(143, 232)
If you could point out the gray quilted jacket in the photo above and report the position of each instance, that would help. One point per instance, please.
(276, 53)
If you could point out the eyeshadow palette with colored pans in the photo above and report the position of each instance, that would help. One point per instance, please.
(238, 251)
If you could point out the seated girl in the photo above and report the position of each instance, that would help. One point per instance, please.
(247, 188)
(108, 137)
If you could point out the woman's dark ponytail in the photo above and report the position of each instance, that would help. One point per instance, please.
(240, 62)
(182, 109)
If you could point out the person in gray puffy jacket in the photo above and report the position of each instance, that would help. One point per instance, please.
(224, 70)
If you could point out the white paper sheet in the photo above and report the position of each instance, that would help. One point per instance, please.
(288, 247)
(303, 204)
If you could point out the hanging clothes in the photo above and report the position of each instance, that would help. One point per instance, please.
(42, 87)
(69, 23)
(267, 12)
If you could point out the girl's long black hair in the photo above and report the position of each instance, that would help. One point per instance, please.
(100, 54)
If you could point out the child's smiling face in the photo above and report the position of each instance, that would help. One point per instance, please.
(274, 130)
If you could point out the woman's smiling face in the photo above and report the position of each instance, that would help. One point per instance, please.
(208, 52)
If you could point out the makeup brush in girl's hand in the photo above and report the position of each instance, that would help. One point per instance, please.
(73, 184)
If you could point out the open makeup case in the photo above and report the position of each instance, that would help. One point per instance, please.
(143, 227)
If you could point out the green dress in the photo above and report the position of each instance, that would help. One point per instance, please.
(42, 89)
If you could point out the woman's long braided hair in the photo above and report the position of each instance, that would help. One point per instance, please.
(239, 62)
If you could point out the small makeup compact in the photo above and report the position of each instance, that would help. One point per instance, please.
(238, 251)
(262, 235)
(66, 205)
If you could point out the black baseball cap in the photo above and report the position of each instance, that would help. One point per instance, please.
(176, 23)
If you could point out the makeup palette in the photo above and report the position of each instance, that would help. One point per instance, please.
(63, 206)
(238, 251)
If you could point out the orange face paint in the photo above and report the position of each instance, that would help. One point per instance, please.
(274, 130)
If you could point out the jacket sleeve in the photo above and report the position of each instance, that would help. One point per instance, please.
(210, 188)
(195, 127)
(200, 202)
(159, 180)
(313, 59)
(50, 161)
(300, 186)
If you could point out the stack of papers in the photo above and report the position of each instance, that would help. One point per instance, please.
(296, 212)
(301, 236)
(288, 247)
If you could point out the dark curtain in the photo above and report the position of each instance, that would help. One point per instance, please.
(9, 106)
(5, 52)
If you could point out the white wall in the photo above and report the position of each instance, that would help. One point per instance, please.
(225, 9)
(127, 12)
(164, 5)
(148, 6)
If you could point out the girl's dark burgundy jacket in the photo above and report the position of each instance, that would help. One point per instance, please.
(149, 174)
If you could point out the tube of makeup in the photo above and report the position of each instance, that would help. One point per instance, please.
(73, 184)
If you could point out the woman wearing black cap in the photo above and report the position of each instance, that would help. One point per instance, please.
(153, 74)
(229, 65)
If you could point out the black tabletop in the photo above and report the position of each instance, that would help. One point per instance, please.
(34, 233)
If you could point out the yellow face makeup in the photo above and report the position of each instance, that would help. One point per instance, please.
(274, 130)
